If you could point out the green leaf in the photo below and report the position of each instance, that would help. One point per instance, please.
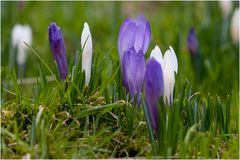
(33, 133)
(149, 126)
(99, 109)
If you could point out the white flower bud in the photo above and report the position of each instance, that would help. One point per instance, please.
(21, 34)
(86, 43)
(226, 7)
(235, 26)
(169, 65)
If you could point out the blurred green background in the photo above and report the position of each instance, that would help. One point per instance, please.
(170, 23)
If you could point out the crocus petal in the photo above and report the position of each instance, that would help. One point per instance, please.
(143, 34)
(154, 89)
(235, 26)
(58, 49)
(133, 68)
(134, 33)
(86, 43)
(192, 42)
(170, 66)
(124, 39)
(16, 35)
(173, 58)
(157, 54)
(20, 34)
(169, 81)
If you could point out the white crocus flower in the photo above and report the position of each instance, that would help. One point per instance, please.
(21, 34)
(226, 7)
(169, 65)
(86, 43)
(235, 26)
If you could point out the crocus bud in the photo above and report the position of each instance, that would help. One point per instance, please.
(226, 7)
(133, 41)
(58, 49)
(194, 50)
(192, 43)
(235, 26)
(86, 43)
(21, 34)
(134, 33)
(133, 69)
(169, 65)
(154, 89)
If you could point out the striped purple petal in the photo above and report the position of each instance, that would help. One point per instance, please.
(58, 49)
(133, 68)
(134, 33)
(154, 89)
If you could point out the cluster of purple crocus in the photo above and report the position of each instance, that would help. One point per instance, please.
(158, 75)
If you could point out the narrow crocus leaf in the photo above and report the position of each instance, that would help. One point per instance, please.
(169, 66)
(192, 43)
(235, 26)
(134, 33)
(58, 49)
(133, 69)
(86, 43)
(21, 34)
(154, 89)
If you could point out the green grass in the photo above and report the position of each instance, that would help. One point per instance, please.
(98, 121)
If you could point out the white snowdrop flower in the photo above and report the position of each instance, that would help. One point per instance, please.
(235, 26)
(86, 43)
(169, 65)
(226, 7)
(21, 34)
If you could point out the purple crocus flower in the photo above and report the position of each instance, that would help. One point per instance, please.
(154, 89)
(133, 41)
(194, 49)
(58, 49)
(133, 68)
(192, 42)
(134, 33)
